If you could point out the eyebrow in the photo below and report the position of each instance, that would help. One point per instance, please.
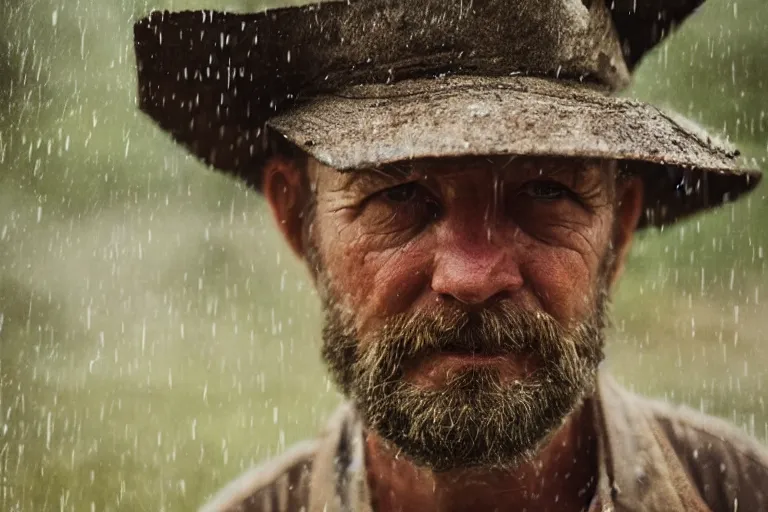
(400, 171)
(375, 175)
(580, 171)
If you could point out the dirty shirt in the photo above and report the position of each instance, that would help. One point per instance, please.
(652, 457)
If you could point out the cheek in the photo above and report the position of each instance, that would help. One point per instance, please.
(375, 279)
(564, 277)
(560, 279)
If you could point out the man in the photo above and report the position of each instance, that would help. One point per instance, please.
(464, 190)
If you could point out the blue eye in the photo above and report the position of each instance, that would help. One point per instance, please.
(545, 190)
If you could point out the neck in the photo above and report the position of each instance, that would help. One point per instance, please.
(561, 477)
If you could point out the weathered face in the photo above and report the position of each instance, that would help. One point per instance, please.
(465, 299)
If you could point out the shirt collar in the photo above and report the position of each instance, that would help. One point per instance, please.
(339, 480)
(636, 467)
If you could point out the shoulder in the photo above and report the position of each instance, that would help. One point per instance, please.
(281, 484)
(728, 467)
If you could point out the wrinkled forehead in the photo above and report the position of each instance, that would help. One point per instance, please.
(480, 169)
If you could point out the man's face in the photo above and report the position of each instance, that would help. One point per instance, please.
(464, 299)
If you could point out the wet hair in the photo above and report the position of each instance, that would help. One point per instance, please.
(279, 145)
(625, 171)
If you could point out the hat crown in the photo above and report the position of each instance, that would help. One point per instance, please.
(339, 43)
(564, 38)
(263, 62)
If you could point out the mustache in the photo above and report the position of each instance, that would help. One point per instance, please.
(501, 329)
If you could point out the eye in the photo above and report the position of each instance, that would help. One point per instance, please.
(545, 190)
(404, 193)
(409, 204)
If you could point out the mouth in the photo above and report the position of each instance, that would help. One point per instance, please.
(469, 358)
(436, 369)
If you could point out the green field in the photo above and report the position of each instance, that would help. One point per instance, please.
(157, 338)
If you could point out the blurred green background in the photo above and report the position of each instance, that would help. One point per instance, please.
(156, 336)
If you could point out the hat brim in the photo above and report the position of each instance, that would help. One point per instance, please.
(372, 125)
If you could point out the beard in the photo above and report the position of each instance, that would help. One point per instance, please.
(477, 417)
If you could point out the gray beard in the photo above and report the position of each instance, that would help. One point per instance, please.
(476, 419)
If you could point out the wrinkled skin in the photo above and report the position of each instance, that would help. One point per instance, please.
(464, 308)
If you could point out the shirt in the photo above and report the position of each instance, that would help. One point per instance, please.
(652, 457)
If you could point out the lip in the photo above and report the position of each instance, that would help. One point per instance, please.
(458, 360)
(436, 369)
(469, 358)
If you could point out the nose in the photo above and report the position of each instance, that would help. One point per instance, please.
(475, 270)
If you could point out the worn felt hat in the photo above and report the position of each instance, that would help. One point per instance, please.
(363, 83)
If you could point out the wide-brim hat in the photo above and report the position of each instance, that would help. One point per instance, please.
(364, 83)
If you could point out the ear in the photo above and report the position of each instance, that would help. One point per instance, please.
(284, 190)
(629, 195)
